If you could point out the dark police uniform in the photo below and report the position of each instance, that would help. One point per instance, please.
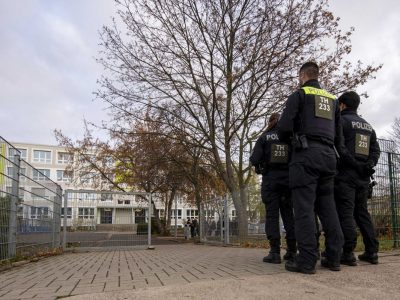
(313, 114)
(351, 184)
(271, 156)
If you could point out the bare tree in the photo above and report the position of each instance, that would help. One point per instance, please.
(218, 68)
(395, 133)
(147, 159)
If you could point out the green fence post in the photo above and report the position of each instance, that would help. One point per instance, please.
(393, 198)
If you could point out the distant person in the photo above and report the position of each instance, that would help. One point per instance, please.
(195, 225)
(186, 229)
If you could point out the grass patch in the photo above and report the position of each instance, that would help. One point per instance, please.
(385, 243)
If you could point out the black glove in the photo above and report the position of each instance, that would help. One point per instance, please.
(259, 169)
(365, 169)
(369, 168)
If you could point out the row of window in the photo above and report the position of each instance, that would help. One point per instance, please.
(41, 156)
(42, 212)
(190, 213)
(41, 174)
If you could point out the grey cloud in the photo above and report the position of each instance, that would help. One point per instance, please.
(48, 71)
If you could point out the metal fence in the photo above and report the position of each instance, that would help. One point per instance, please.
(384, 207)
(106, 219)
(219, 223)
(30, 207)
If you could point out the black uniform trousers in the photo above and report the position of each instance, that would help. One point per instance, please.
(351, 195)
(275, 194)
(311, 178)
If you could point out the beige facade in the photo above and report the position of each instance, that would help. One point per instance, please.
(89, 209)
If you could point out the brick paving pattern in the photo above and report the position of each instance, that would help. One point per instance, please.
(94, 272)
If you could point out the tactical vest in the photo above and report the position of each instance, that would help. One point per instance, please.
(318, 114)
(276, 153)
(357, 135)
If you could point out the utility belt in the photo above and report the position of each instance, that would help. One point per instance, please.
(302, 142)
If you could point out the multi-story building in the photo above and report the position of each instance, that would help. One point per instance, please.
(86, 206)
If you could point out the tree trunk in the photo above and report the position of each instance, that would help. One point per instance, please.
(170, 200)
(240, 202)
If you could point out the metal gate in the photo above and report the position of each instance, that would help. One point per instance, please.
(106, 219)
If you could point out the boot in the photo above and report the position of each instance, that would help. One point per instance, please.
(331, 265)
(274, 256)
(348, 259)
(372, 258)
(294, 266)
(291, 250)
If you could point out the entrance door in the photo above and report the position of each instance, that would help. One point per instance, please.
(106, 216)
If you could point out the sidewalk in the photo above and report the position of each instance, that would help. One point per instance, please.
(193, 272)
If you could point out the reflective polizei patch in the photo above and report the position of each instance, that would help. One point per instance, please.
(323, 107)
(362, 144)
(279, 153)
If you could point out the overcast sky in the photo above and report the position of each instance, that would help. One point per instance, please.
(48, 70)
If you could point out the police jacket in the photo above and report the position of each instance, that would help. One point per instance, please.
(360, 141)
(270, 153)
(313, 112)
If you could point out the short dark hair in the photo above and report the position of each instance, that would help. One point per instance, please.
(311, 69)
(351, 99)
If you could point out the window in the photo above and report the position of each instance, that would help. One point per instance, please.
(86, 196)
(41, 174)
(10, 171)
(192, 213)
(106, 197)
(64, 158)
(86, 159)
(179, 213)
(20, 211)
(39, 212)
(12, 152)
(87, 178)
(22, 173)
(42, 156)
(85, 213)
(69, 212)
(63, 175)
(20, 193)
(124, 202)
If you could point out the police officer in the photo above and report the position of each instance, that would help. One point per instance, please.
(311, 118)
(270, 157)
(351, 184)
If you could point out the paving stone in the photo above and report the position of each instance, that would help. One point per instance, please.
(84, 273)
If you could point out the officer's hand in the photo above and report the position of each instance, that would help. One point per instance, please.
(365, 169)
(369, 170)
(258, 169)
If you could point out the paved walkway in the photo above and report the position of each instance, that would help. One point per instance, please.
(194, 271)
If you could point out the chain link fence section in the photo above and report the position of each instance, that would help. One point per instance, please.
(106, 219)
(212, 221)
(30, 207)
(384, 205)
(219, 223)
